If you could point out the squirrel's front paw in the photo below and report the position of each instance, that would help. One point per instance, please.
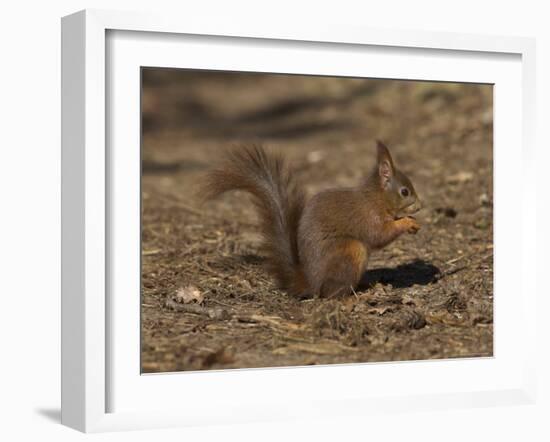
(411, 225)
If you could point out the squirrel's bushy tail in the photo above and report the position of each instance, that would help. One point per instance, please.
(277, 197)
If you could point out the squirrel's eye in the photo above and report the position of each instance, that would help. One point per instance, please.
(404, 192)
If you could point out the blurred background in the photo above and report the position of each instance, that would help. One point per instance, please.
(440, 135)
(313, 118)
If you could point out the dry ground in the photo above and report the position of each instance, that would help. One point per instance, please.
(424, 296)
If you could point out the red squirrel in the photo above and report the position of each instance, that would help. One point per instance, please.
(318, 246)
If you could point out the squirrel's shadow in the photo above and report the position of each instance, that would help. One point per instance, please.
(405, 275)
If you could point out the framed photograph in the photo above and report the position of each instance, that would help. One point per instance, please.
(264, 222)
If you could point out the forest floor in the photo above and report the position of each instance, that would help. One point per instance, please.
(207, 302)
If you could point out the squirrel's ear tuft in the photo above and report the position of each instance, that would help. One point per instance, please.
(385, 162)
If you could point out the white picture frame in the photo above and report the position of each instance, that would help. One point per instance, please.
(89, 359)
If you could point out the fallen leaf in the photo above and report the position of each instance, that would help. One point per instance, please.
(189, 294)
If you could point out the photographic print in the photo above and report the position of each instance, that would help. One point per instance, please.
(294, 220)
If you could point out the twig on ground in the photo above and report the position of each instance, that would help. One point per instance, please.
(459, 269)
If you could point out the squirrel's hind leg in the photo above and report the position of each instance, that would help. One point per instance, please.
(299, 287)
(345, 263)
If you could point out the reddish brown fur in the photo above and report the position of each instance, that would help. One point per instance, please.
(320, 248)
(278, 199)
